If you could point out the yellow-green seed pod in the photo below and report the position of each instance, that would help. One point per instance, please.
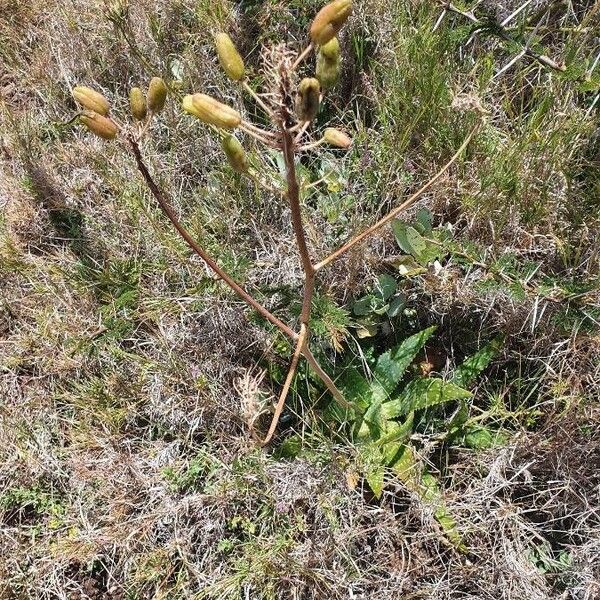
(229, 57)
(91, 99)
(331, 50)
(212, 111)
(157, 95)
(137, 103)
(309, 97)
(337, 138)
(328, 73)
(329, 20)
(99, 124)
(236, 155)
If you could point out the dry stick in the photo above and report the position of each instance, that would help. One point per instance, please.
(168, 211)
(391, 215)
(302, 56)
(293, 195)
(258, 100)
(286, 386)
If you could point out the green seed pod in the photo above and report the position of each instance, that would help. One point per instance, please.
(309, 97)
(137, 103)
(91, 99)
(329, 20)
(331, 50)
(229, 57)
(337, 138)
(236, 155)
(99, 124)
(157, 95)
(212, 111)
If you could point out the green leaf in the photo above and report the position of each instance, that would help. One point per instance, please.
(466, 374)
(408, 468)
(356, 388)
(373, 467)
(392, 364)
(375, 478)
(424, 393)
(396, 306)
(409, 239)
(386, 287)
(364, 305)
(412, 242)
(433, 495)
(424, 219)
(396, 436)
(479, 437)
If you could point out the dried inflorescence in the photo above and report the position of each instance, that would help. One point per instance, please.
(290, 114)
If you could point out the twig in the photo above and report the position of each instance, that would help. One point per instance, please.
(258, 100)
(170, 214)
(302, 56)
(392, 215)
(286, 386)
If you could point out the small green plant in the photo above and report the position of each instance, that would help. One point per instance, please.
(389, 405)
(290, 105)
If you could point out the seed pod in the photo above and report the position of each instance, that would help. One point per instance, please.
(236, 155)
(309, 97)
(157, 95)
(99, 124)
(229, 57)
(331, 50)
(212, 111)
(328, 64)
(137, 103)
(337, 138)
(91, 99)
(329, 20)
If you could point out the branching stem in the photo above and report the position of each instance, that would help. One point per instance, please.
(170, 214)
(396, 211)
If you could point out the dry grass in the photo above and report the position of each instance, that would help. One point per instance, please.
(128, 374)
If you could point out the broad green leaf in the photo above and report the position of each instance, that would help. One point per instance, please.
(409, 239)
(364, 305)
(356, 388)
(413, 243)
(375, 478)
(408, 468)
(396, 306)
(373, 467)
(386, 287)
(479, 437)
(473, 366)
(397, 434)
(424, 393)
(392, 364)
(424, 219)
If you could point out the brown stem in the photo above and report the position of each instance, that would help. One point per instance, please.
(170, 214)
(339, 397)
(286, 386)
(394, 213)
(293, 194)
